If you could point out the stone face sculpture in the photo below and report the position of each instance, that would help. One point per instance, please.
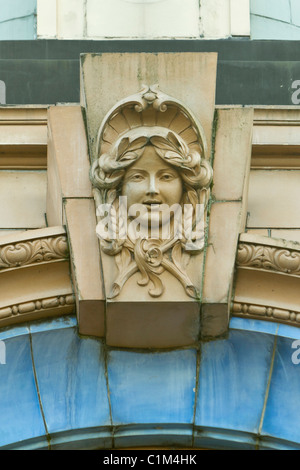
(152, 162)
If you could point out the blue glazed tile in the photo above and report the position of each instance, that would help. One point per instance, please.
(150, 436)
(224, 440)
(286, 331)
(53, 324)
(279, 9)
(282, 415)
(20, 413)
(71, 378)
(18, 29)
(82, 439)
(39, 443)
(249, 324)
(266, 28)
(152, 387)
(17, 9)
(7, 333)
(277, 444)
(232, 381)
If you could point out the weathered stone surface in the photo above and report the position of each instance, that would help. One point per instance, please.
(108, 78)
(35, 278)
(70, 202)
(85, 262)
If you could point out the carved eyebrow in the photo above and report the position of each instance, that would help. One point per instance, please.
(135, 170)
(130, 173)
(168, 170)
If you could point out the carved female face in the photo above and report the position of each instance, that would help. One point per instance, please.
(152, 182)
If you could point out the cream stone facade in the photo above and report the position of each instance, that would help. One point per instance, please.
(55, 193)
(115, 342)
(104, 19)
(250, 265)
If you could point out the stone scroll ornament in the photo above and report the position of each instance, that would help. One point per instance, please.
(151, 152)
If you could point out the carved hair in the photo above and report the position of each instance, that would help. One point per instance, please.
(108, 171)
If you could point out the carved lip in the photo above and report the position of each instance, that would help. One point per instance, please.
(152, 204)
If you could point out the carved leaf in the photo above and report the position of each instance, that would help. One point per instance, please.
(163, 144)
(123, 146)
(137, 143)
(54, 248)
(123, 259)
(36, 251)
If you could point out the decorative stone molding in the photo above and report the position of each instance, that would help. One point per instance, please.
(70, 202)
(267, 257)
(35, 276)
(276, 143)
(267, 279)
(266, 313)
(23, 137)
(36, 306)
(156, 295)
(19, 254)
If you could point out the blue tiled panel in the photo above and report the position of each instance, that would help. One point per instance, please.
(16, 9)
(295, 12)
(282, 416)
(279, 19)
(18, 30)
(287, 331)
(152, 395)
(258, 326)
(265, 28)
(152, 388)
(233, 381)
(277, 9)
(20, 415)
(71, 378)
(17, 19)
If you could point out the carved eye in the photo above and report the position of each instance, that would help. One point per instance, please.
(136, 177)
(167, 177)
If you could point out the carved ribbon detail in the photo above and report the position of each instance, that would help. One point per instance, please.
(151, 258)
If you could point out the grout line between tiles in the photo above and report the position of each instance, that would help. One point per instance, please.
(38, 391)
(268, 385)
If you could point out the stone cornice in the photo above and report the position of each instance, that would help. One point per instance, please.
(267, 279)
(260, 254)
(23, 137)
(35, 278)
(276, 142)
(25, 252)
(266, 313)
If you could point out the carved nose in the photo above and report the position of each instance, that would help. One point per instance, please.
(152, 188)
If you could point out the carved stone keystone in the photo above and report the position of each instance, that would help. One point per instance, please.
(153, 160)
(151, 182)
(150, 127)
